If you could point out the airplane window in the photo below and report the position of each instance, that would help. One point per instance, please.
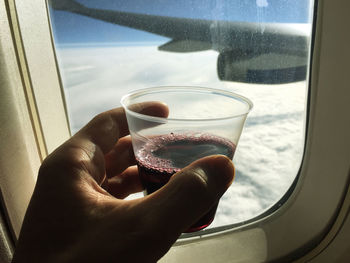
(259, 49)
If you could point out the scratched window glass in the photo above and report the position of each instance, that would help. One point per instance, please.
(259, 49)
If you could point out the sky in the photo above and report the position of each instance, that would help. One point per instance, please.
(73, 28)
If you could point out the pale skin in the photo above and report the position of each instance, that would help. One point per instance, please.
(78, 213)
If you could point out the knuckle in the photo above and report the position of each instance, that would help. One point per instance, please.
(104, 120)
(66, 159)
(195, 177)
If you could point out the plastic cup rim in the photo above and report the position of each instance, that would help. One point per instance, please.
(186, 89)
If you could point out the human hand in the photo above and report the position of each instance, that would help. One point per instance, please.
(77, 212)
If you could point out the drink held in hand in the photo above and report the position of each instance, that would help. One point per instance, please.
(164, 155)
(201, 122)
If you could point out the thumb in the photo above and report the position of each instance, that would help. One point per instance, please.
(190, 194)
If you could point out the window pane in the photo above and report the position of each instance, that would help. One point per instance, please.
(258, 49)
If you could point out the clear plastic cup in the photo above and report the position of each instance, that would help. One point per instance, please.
(201, 122)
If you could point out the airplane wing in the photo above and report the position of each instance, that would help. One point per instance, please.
(247, 51)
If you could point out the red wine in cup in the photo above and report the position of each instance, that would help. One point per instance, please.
(164, 155)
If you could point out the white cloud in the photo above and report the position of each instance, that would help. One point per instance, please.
(262, 3)
(270, 149)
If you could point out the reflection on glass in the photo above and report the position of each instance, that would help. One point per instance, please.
(256, 48)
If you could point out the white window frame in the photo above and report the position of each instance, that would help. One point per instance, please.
(32, 111)
(303, 225)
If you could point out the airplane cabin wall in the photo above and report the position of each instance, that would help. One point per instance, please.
(19, 156)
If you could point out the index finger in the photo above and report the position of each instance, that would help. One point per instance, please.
(106, 128)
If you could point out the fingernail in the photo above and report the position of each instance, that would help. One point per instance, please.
(218, 171)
